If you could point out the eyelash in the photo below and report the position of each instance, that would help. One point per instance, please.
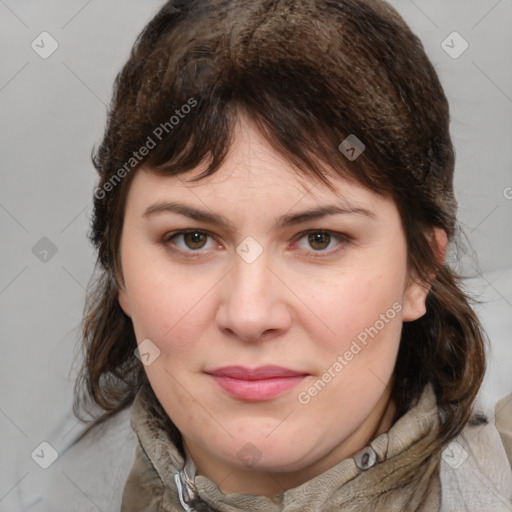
(341, 237)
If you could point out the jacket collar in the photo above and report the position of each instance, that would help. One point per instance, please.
(392, 472)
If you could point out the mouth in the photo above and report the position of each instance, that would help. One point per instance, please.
(258, 384)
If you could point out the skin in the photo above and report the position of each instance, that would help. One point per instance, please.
(299, 305)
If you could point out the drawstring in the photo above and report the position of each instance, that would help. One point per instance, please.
(185, 482)
(186, 491)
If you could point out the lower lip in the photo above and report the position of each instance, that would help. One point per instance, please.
(257, 390)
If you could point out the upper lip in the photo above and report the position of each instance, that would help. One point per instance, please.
(262, 372)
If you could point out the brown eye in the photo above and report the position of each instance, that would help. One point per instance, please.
(194, 239)
(188, 241)
(319, 243)
(319, 240)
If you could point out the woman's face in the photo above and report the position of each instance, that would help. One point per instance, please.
(322, 296)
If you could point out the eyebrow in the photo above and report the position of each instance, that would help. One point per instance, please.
(283, 221)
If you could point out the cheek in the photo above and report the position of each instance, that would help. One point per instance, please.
(168, 307)
(360, 305)
(356, 362)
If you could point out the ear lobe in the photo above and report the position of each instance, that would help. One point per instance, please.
(123, 302)
(414, 301)
(416, 293)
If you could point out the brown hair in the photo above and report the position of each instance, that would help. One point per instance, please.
(308, 74)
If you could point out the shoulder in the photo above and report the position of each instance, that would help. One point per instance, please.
(503, 420)
(90, 474)
(475, 471)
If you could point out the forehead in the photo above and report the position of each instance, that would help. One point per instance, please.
(252, 168)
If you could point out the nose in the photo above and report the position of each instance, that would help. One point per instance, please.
(254, 303)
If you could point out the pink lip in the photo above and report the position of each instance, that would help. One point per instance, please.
(261, 383)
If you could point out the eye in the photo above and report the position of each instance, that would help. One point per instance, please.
(193, 239)
(321, 240)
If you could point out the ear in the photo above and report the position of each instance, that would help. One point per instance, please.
(123, 302)
(416, 292)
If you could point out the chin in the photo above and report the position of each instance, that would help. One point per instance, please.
(273, 455)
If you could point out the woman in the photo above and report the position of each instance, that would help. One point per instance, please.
(273, 307)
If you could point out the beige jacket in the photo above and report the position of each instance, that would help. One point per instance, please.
(141, 467)
(163, 478)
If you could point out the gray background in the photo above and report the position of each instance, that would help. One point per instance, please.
(53, 112)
